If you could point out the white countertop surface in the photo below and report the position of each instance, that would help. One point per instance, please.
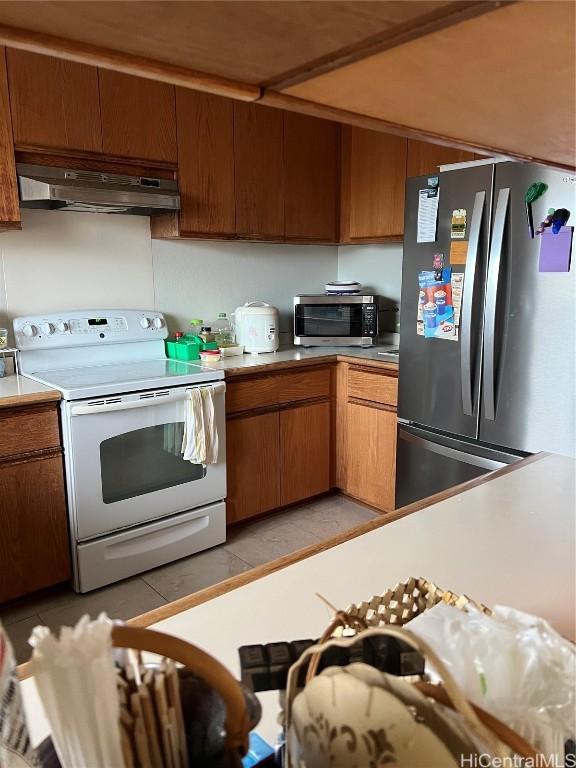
(291, 354)
(14, 386)
(510, 541)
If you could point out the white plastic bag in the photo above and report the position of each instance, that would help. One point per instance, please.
(511, 664)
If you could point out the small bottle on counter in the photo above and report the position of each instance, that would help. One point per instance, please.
(206, 334)
(223, 332)
(196, 327)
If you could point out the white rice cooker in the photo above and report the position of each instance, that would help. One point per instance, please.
(256, 326)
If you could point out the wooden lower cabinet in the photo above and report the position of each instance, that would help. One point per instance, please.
(34, 551)
(304, 452)
(253, 460)
(296, 434)
(369, 466)
(279, 440)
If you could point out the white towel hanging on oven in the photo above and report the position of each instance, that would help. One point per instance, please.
(200, 440)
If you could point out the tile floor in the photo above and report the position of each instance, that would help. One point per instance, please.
(247, 546)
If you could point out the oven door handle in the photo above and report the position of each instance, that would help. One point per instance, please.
(85, 410)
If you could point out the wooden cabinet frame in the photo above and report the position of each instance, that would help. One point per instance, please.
(247, 171)
(9, 203)
(316, 400)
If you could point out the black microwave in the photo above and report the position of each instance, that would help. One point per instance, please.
(333, 321)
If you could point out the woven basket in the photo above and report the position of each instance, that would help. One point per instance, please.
(407, 600)
(395, 608)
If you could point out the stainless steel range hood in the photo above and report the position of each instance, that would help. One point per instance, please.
(95, 192)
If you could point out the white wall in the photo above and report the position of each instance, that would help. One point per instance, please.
(377, 267)
(75, 260)
(199, 279)
(80, 260)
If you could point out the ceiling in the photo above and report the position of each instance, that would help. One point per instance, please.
(248, 41)
(505, 80)
(492, 75)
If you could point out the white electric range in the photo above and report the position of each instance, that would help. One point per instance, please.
(133, 502)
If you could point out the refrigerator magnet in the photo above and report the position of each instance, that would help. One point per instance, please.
(555, 250)
(458, 251)
(437, 264)
(458, 226)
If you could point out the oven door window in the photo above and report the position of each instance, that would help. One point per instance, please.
(343, 320)
(143, 461)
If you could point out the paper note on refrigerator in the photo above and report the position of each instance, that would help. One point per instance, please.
(427, 214)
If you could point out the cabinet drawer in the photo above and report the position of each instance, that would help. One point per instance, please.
(28, 429)
(304, 385)
(375, 387)
(248, 394)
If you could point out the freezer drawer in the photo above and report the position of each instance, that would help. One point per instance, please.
(427, 463)
(116, 557)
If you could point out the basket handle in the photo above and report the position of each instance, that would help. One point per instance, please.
(203, 665)
(461, 704)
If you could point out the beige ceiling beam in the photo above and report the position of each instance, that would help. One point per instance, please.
(129, 64)
(293, 104)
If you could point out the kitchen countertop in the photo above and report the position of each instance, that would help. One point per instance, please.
(506, 538)
(284, 358)
(19, 390)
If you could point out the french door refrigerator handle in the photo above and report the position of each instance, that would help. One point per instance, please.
(494, 262)
(450, 453)
(467, 303)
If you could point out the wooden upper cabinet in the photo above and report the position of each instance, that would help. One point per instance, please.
(311, 177)
(424, 157)
(259, 171)
(205, 162)
(138, 117)
(55, 103)
(9, 205)
(373, 184)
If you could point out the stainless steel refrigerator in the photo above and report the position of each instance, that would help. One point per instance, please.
(506, 387)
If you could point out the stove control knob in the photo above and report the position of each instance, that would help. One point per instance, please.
(29, 330)
(47, 329)
(61, 327)
(145, 322)
(158, 323)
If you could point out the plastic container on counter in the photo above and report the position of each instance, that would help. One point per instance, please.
(3, 338)
(188, 348)
(232, 351)
(170, 345)
(210, 355)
